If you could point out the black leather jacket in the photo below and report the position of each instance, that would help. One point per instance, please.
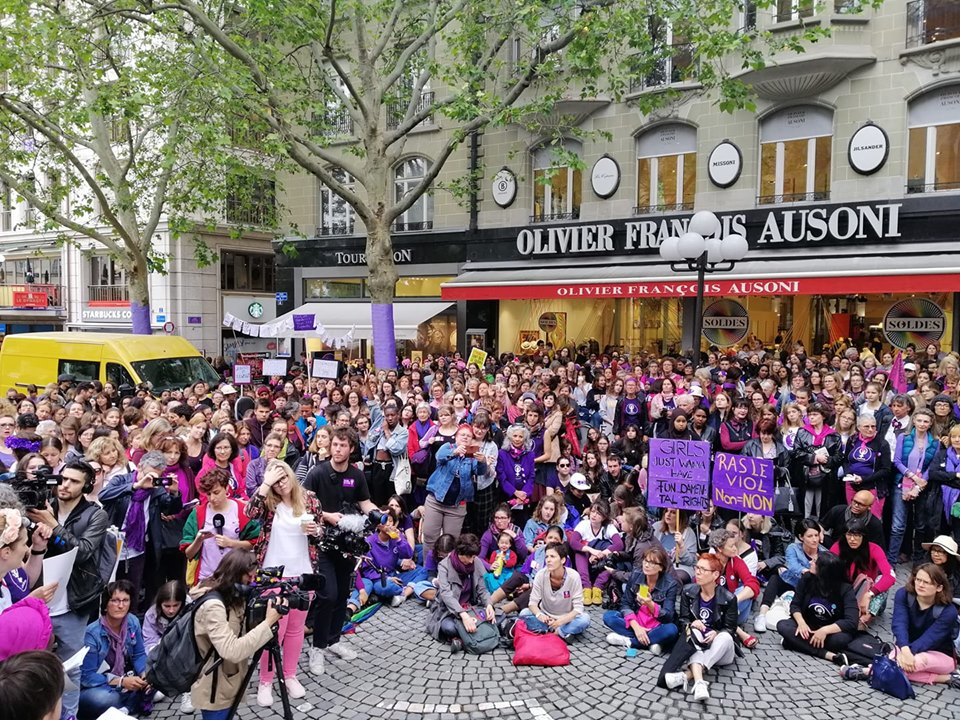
(83, 529)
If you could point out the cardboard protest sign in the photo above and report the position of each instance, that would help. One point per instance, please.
(679, 474)
(745, 484)
(477, 357)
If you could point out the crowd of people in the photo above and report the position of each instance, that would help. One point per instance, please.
(512, 492)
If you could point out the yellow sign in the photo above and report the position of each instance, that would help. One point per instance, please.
(477, 357)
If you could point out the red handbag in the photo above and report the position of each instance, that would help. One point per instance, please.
(546, 650)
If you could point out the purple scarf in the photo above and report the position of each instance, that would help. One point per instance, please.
(466, 575)
(950, 495)
(135, 525)
(115, 653)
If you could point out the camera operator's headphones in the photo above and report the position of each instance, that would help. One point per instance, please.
(88, 472)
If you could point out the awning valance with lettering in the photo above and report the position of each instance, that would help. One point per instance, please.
(342, 319)
(815, 276)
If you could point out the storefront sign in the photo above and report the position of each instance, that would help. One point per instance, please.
(548, 321)
(605, 177)
(725, 164)
(29, 299)
(358, 258)
(868, 149)
(106, 314)
(504, 188)
(916, 321)
(725, 322)
(800, 226)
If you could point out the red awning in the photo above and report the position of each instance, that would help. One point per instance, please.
(820, 276)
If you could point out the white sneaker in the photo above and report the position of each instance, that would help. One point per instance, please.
(656, 649)
(760, 624)
(675, 680)
(294, 688)
(186, 704)
(701, 691)
(342, 651)
(315, 657)
(396, 601)
(618, 640)
(265, 694)
(158, 697)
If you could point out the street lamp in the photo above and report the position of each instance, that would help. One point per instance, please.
(702, 249)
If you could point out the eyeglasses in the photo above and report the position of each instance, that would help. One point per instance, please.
(700, 568)
(861, 504)
(119, 601)
(648, 561)
(501, 517)
(563, 464)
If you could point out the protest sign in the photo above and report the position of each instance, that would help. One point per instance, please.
(274, 367)
(679, 474)
(743, 483)
(477, 357)
(241, 374)
(326, 369)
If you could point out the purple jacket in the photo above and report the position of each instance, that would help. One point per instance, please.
(488, 542)
(385, 557)
(515, 471)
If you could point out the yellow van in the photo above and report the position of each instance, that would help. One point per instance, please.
(164, 361)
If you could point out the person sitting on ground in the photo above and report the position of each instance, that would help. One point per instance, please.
(799, 555)
(593, 540)
(516, 589)
(924, 625)
(380, 572)
(708, 622)
(31, 686)
(546, 514)
(737, 579)
(502, 561)
(824, 614)
(556, 597)
(461, 594)
(647, 615)
(426, 590)
(837, 518)
(679, 540)
(867, 570)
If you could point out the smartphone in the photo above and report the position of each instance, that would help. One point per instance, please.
(644, 592)
(191, 503)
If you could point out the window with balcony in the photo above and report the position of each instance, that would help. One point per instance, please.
(251, 200)
(795, 155)
(252, 272)
(666, 169)
(673, 59)
(336, 215)
(334, 121)
(748, 15)
(108, 282)
(930, 21)
(408, 175)
(246, 132)
(787, 10)
(397, 110)
(933, 151)
(557, 185)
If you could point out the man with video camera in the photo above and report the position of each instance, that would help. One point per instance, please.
(74, 522)
(134, 504)
(341, 489)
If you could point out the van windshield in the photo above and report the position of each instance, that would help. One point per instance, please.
(175, 373)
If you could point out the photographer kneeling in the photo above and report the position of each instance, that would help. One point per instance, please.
(219, 624)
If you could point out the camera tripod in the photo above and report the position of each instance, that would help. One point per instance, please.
(274, 653)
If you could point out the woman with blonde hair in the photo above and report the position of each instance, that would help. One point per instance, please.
(108, 452)
(290, 520)
(154, 430)
(195, 441)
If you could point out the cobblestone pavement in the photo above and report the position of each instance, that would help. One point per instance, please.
(403, 674)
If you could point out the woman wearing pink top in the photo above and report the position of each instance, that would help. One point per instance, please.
(867, 570)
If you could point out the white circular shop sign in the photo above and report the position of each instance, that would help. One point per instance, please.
(504, 188)
(868, 149)
(724, 164)
(605, 177)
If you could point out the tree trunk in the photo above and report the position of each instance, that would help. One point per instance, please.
(382, 284)
(139, 298)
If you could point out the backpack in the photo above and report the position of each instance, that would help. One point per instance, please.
(485, 639)
(109, 557)
(174, 664)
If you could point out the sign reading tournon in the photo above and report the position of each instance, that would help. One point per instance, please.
(725, 322)
(916, 321)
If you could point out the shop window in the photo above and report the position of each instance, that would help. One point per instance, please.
(246, 271)
(557, 185)
(346, 289)
(420, 287)
(795, 155)
(666, 169)
(408, 176)
(933, 161)
(336, 215)
(793, 10)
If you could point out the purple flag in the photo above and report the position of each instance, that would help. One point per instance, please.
(679, 474)
(304, 322)
(897, 378)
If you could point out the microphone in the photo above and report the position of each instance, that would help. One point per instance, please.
(218, 522)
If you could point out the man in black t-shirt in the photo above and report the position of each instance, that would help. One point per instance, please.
(341, 488)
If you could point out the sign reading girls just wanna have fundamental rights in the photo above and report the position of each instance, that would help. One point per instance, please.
(679, 474)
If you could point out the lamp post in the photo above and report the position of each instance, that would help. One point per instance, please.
(701, 249)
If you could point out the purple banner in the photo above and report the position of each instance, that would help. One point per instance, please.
(384, 339)
(304, 322)
(745, 484)
(679, 474)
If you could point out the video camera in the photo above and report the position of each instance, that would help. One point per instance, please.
(348, 537)
(34, 493)
(268, 584)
